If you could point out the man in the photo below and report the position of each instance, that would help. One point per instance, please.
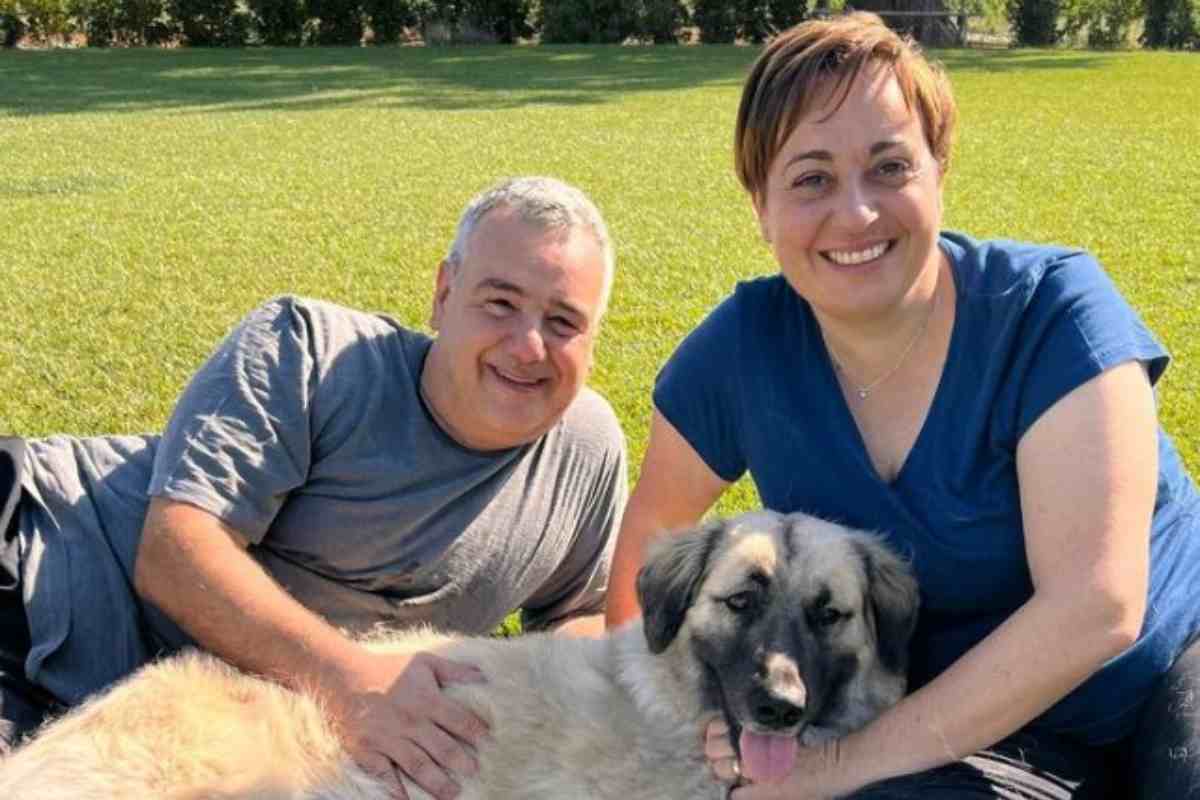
(327, 469)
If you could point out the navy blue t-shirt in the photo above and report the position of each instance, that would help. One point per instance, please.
(753, 388)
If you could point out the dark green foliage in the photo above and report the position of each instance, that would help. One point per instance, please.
(505, 20)
(338, 22)
(786, 13)
(1107, 23)
(474, 21)
(747, 20)
(279, 22)
(124, 22)
(586, 21)
(12, 27)
(1173, 24)
(211, 23)
(44, 20)
(716, 19)
(753, 20)
(388, 19)
(661, 21)
(1034, 22)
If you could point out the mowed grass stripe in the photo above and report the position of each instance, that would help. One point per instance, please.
(149, 198)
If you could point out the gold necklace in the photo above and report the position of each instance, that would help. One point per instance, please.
(864, 392)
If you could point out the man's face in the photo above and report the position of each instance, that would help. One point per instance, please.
(516, 324)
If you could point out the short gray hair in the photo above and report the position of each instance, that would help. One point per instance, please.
(545, 202)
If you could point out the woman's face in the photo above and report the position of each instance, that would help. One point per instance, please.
(853, 202)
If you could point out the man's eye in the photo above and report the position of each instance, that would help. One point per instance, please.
(498, 307)
(563, 326)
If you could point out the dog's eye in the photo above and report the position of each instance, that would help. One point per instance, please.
(827, 616)
(740, 601)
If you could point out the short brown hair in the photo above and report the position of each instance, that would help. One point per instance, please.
(794, 67)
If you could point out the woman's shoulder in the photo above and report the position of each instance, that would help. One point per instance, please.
(994, 267)
(761, 299)
(762, 289)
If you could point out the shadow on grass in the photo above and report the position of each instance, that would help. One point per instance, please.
(73, 81)
(1018, 60)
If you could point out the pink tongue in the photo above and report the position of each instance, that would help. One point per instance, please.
(765, 758)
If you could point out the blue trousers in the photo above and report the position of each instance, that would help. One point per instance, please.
(22, 705)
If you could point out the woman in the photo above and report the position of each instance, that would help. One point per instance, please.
(987, 404)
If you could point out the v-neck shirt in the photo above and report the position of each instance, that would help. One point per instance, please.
(753, 388)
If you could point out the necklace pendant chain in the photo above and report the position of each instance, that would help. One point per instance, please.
(864, 392)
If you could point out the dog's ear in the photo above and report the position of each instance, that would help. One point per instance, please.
(668, 581)
(893, 600)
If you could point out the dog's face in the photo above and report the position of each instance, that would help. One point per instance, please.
(799, 627)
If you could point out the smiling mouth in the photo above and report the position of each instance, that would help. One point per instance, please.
(853, 258)
(518, 382)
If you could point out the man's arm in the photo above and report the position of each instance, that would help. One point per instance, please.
(389, 708)
(591, 626)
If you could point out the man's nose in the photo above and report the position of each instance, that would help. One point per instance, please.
(527, 343)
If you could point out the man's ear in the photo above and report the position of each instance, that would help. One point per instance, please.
(445, 280)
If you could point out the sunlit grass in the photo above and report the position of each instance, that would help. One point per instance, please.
(149, 198)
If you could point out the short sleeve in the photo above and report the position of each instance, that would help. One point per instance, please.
(579, 586)
(239, 438)
(1077, 326)
(697, 391)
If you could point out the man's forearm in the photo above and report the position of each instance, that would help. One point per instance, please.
(197, 572)
(591, 626)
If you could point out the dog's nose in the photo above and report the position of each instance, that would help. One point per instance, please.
(773, 711)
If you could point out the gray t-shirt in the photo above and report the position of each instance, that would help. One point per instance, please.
(306, 432)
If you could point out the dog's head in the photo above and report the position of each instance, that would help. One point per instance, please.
(800, 627)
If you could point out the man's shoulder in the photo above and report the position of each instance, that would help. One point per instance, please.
(329, 314)
(332, 328)
(590, 419)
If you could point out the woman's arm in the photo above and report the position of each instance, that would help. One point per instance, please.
(1088, 474)
(674, 490)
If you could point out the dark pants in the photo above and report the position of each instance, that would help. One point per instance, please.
(23, 706)
(1160, 760)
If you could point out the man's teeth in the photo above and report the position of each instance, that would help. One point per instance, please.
(516, 379)
(857, 256)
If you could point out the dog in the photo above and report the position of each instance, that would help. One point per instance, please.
(793, 628)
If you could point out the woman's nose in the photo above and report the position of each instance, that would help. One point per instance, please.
(857, 207)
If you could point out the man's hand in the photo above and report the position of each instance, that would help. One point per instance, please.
(395, 721)
(389, 708)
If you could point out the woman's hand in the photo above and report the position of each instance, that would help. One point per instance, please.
(817, 774)
(718, 751)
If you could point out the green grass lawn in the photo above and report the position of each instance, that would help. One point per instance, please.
(150, 198)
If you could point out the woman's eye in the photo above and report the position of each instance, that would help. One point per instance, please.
(812, 182)
(893, 170)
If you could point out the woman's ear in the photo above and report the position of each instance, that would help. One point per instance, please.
(759, 204)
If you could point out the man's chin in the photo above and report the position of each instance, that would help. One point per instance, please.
(514, 430)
